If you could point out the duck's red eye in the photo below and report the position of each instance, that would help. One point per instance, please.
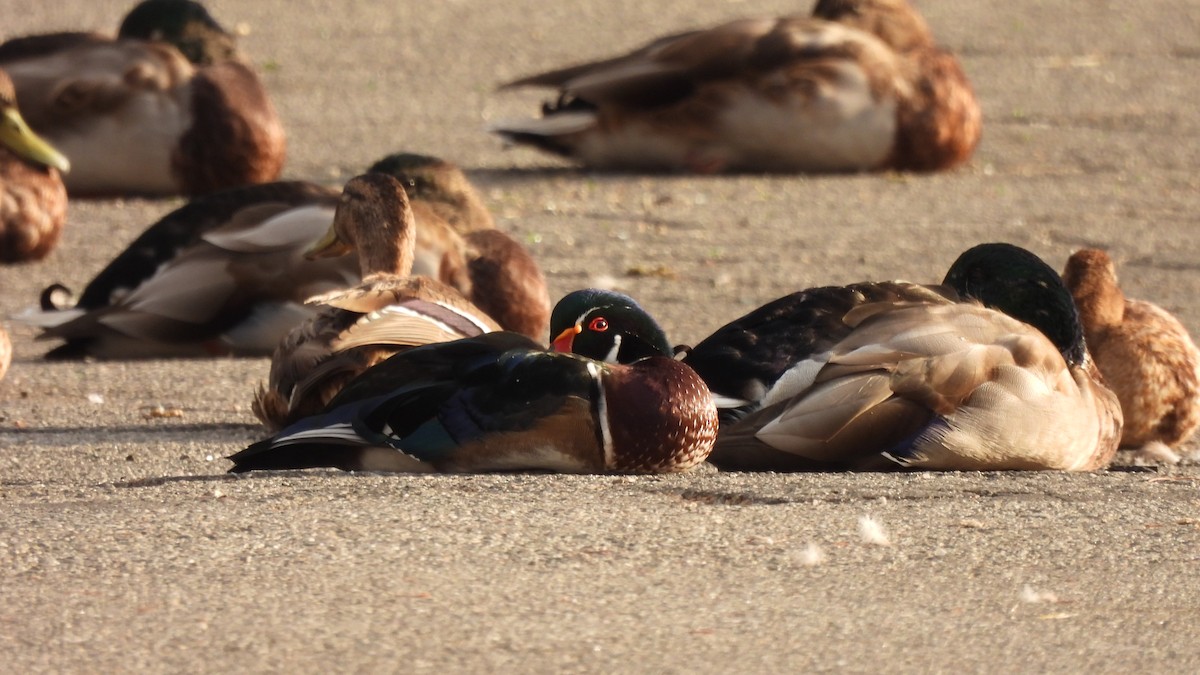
(598, 324)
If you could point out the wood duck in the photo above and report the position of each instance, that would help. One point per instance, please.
(33, 201)
(1146, 355)
(226, 274)
(500, 402)
(358, 327)
(987, 372)
(168, 106)
(859, 85)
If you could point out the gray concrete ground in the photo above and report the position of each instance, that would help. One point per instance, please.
(124, 546)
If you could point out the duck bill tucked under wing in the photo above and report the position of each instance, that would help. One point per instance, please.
(954, 387)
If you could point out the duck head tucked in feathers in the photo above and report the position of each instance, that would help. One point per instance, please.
(1020, 284)
(33, 201)
(183, 23)
(499, 402)
(1146, 355)
(859, 85)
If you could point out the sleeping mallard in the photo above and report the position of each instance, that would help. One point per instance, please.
(33, 202)
(166, 107)
(859, 85)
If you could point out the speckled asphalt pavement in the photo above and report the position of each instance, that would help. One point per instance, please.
(125, 547)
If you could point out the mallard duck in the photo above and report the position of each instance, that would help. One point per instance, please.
(1146, 355)
(925, 378)
(236, 291)
(439, 252)
(33, 202)
(166, 107)
(860, 85)
(499, 275)
(226, 274)
(438, 187)
(500, 402)
(359, 327)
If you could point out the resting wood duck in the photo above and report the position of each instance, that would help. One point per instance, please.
(500, 402)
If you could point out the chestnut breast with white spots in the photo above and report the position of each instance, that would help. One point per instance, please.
(660, 415)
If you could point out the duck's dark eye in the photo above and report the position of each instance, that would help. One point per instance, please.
(598, 324)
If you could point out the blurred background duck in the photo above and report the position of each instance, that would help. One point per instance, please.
(33, 201)
(501, 402)
(5, 352)
(226, 273)
(358, 327)
(988, 372)
(859, 85)
(443, 199)
(168, 106)
(1146, 355)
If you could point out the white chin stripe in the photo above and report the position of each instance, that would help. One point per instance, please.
(611, 356)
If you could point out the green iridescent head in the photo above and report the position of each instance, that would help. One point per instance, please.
(1013, 280)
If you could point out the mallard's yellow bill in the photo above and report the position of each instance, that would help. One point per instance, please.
(328, 246)
(18, 137)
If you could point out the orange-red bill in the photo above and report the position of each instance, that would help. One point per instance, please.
(566, 339)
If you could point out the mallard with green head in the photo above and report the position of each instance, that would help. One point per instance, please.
(33, 202)
(988, 372)
(859, 85)
(168, 106)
